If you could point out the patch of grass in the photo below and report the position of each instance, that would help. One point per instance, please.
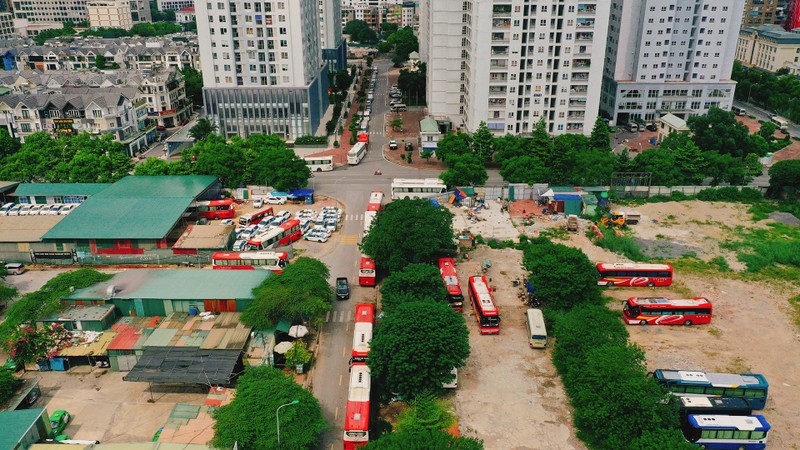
(661, 237)
(623, 245)
(692, 264)
(737, 365)
(557, 233)
(681, 289)
(671, 217)
(714, 332)
(794, 302)
(761, 210)
(720, 263)
(778, 244)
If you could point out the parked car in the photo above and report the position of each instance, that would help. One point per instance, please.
(316, 236)
(239, 246)
(67, 209)
(651, 127)
(36, 209)
(14, 211)
(342, 288)
(285, 214)
(258, 202)
(331, 224)
(226, 222)
(274, 200)
(59, 421)
(25, 210)
(305, 225)
(15, 268)
(6, 208)
(392, 145)
(52, 210)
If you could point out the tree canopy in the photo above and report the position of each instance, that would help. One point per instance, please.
(550, 264)
(774, 92)
(360, 31)
(784, 178)
(404, 440)
(301, 292)
(202, 129)
(67, 159)
(415, 283)
(466, 170)
(409, 231)
(250, 421)
(193, 82)
(416, 347)
(718, 130)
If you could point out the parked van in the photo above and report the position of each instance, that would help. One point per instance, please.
(400, 107)
(738, 111)
(633, 126)
(782, 123)
(15, 268)
(537, 333)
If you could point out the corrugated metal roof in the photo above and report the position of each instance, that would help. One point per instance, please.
(96, 348)
(177, 186)
(428, 125)
(16, 424)
(8, 185)
(58, 189)
(185, 365)
(83, 313)
(27, 228)
(177, 284)
(211, 236)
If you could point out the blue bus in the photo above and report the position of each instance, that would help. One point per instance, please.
(727, 432)
(750, 387)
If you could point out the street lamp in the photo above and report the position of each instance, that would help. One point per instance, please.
(278, 420)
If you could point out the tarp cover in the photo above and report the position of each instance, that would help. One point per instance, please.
(567, 197)
(189, 365)
(301, 192)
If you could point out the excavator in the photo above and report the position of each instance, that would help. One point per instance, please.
(620, 219)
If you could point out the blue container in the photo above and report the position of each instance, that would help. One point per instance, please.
(653, 141)
(309, 200)
(193, 311)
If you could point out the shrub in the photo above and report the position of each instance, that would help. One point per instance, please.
(730, 194)
(623, 245)
(298, 354)
(494, 243)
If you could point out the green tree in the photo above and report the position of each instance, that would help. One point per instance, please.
(688, 158)
(298, 355)
(152, 166)
(8, 144)
(453, 144)
(784, 178)
(342, 80)
(483, 143)
(426, 413)
(384, 47)
(416, 282)
(753, 165)
(563, 155)
(525, 169)
(387, 28)
(550, 264)
(367, 36)
(412, 84)
(388, 241)
(424, 439)
(767, 130)
(39, 159)
(214, 156)
(426, 155)
(600, 139)
(509, 146)
(202, 129)
(249, 420)
(300, 293)
(466, 170)
(272, 164)
(8, 385)
(718, 130)
(416, 347)
(397, 124)
(593, 168)
(724, 168)
(193, 84)
(354, 27)
(29, 344)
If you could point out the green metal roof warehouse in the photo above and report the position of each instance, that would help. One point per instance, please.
(136, 207)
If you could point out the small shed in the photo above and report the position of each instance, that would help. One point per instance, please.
(429, 135)
(670, 123)
(302, 195)
(84, 318)
(23, 428)
(568, 203)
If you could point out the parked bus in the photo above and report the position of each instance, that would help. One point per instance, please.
(665, 311)
(364, 137)
(366, 272)
(319, 163)
(447, 267)
(369, 216)
(782, 123)
(417, 187)
(375, 201)
(357, 153)
(362, 332)
(274, 261)
(726, 432)
(486, 312)
(283, 234)
(211, 209)
(634, 274)
(356, 419)
(731, 406)
(537, 333)
(255, 218)
(751, 387)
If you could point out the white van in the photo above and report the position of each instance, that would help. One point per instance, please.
(15, 268)
(537, 333)
(738, 111)
(400, 107)
(632, 126)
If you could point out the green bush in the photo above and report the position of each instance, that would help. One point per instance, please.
(308, 140)
(494, 243)
(730, 194)
(622, 245)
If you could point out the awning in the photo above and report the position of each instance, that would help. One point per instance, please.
(301, 192)
(567, 197)
(188, 365)
(284, 325)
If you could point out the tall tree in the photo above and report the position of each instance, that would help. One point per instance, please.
(416, 347)
(416, 282)
(550, 264)
(250, 421)
(483, 143)
(202, 129)
(193, 84)
(784, 178)
(600, 139)
(540, 143)
(8, 144)
(214, 156)
(272, 164)
(509, 146)
(718, 130)
(453, 144)
(152, 166)
(301, 292)
(465, 170)
(409, 231)
(525, 169)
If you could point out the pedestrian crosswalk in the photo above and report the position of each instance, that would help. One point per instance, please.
(339, 316)
(357, 217)
(350, 239)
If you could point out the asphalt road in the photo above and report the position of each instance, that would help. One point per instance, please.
(763, 114)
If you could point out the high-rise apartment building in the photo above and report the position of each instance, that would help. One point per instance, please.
(51, 10)
(757, 12)
(7, 30)
(110, 14)
(262, 63)
(510, 63)
(670, 56)
(334, 49)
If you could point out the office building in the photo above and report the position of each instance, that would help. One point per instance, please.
(770, 48)
(51, 10)
(174, 5)
(262, 66)
(511, 63)
(668, 56)
(110, 14)
(7, 30)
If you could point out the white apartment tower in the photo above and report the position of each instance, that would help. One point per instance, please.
(510, 63)
(262, 66)
(670, 56)
(334, 50)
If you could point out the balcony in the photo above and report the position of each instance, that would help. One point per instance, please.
(578, 90)
(577, 103)
(584, 23)
(497, 103)
(586, 9)
(498, 77)
(499, 51)
(584, 36)
(581, 63)
(501, 23)
(580, 77)
(501, 11)
(499, 37)
(497, 90)
(574, 127)
(576, 115)
(499, 64)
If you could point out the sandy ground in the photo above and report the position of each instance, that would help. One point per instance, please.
(752, 329)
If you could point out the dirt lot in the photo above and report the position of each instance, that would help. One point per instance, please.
(752, 329)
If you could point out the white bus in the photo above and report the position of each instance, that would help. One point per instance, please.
(782, 123)
(319, 163)
(369, 216)
(356, 154)
(537, 333)
(417, 188)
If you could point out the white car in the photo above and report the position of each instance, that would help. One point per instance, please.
(226, 222)
(258, 202)
(67, 209)
(52, 210)
(239, 245)
(25, 210)
(285, 214)
(14, 211)
(314, 236)
(273, 200)
(36, 209)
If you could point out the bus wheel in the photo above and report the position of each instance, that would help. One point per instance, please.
(688, 322)
(651, 284)
(609, 284)
(319, 170)
(642, 322)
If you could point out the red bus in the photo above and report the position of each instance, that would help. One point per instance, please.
(364, 137)
(634, 274)
(356, 419)
(362, 331)
(366, 272)
(255, 218)
(212, 209)
(486, 312)
(447, 267)
(283, 234)
(665, 311)
(375, 201)
(274, 261)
